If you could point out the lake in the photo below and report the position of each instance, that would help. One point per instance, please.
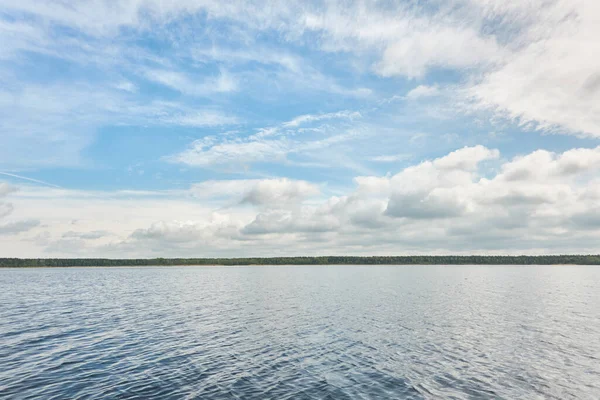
(300, 332)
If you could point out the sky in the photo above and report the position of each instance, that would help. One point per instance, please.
(195, 128)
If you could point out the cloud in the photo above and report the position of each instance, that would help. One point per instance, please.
(206, 152)
(467, 201)
(471, 211)
(407, 39)
(23, 178)
(14, 228)
(546, 166)
(272, 192)
(5, 209)
(217, 227)
(435, 189)
(275, 192)
(274, 144)
(527, 61)
(172, 232)
(391, 158)
(423, 91)
(6, 189)
(303, 119)
(197, 86)
(424, 45)
(289, 222)
(192, 64)
(202, 118)
(51, 124)
(549, 82)
(267, 69)
(92, 235)
(126, 86)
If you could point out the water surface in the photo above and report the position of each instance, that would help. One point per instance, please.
(314, 332)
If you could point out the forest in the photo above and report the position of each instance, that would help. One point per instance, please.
(324, 260)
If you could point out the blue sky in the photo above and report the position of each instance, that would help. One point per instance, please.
(143, 128)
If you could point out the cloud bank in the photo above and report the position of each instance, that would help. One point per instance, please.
(470, 200)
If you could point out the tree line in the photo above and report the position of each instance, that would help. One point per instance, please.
(325, 260)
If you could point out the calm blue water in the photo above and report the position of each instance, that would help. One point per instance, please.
(339, 332)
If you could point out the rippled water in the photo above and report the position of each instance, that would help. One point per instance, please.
(414, 332)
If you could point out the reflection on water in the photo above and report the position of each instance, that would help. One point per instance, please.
(414, 332)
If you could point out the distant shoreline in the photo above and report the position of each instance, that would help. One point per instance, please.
(324, 260)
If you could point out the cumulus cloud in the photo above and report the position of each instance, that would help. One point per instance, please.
(447, 203)
(275, 192)
(469, 200)
(259, 192)
(217, 227)
(285, 221)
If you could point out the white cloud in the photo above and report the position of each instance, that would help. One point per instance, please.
(284, 71)
(51, 124)
(197, 85)
(551, 79)
(272, 144)
(290, 222)
(531, 61)
(187, 231)
(308, 118)
(423, 91)
(202, 118)
(271, 192)
(206, 152)
(92, 235)
(534, 57)
(21, 177)
(408, 40)
(278, 192)
(13, 228)
(126, 86)
(391, 158)
(5, 209)
(429, 46)
(538, 202)
(5, 189)
(438, 188)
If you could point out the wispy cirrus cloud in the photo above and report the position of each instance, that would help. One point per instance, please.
(272, 144)
(197, 86)
(500, 43)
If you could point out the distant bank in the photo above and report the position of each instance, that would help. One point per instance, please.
(326, 260)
